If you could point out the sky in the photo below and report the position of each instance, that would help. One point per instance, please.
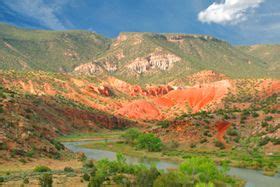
(240, 22)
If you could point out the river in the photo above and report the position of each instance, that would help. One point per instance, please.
(254, 178)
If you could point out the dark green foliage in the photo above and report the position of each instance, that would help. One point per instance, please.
(3, 146)
(86, 177)
(219, 144)
(275, 141)
(164, 123)
(264, 124)
(26, 181)
(68, 169)
(121, 180)
(255, 114)
(268, 118)
(232, 132)
(41, 169)
(57, 144)
(150, 142)
(1, 179)
(46, 180)
(147, 177)
(88, 164)
(264, 141)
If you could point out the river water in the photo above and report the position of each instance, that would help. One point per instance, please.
(254, 178)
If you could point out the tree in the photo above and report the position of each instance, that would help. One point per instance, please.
(201, 169)
(147, 177)
(131, 135)
(172, 179)
(150, 142)
(46, 180)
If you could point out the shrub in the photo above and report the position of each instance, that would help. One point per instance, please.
(58, 145)
(147, 177)
(255, 114)
(203, 140)
(219, 144)
(275, 141)
(264, 124)
(88, 164)
(149, 141)
(86, 177)
(171, 145)
(46, 180)
(164, 123)
(26, 181)
(171, 179)
(131, 135)
(203, 168)
(264, 141)
(121, 180)
(232, 132)
(193, 145)
(41, 169)
(3, 146)
(268, 118)
(68, 169)
(1, 179)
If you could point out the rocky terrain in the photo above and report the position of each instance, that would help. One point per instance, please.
(194, 89)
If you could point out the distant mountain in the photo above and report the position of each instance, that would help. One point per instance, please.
(133, 57)
(267, 53)
(57, 51)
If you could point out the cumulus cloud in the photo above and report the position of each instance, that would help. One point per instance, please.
(44, 12)
(228, 11)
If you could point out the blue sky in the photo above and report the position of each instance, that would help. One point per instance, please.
(237, 21)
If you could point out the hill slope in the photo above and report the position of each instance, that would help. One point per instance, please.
(160, 58)
(268, 53)
(133, 57)
(57, 51)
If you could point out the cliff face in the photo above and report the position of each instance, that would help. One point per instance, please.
(159, 60)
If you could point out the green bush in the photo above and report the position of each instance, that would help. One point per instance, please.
(268, 118)
(26, 181)
(219, 144)
(264, 141)
(172, 179)
(86, 177)
(150, 142)
(131, 135)
(46, 180)
(1, 179)
(68, 169)
(264, 124)
(41, 169)
(232, 132)
(255, 114)
(164, 123)
(147, 177)
(88, 164)
(201, 169)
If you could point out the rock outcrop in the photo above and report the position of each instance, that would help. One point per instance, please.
(158, 60)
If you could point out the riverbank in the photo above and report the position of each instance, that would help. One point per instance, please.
(112, 141)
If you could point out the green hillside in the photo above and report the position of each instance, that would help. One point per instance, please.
(197, 52)
(23, 49)
(134, 57)
(268, 53)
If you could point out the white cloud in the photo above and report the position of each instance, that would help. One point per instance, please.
(39, 10)
(228, 12)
